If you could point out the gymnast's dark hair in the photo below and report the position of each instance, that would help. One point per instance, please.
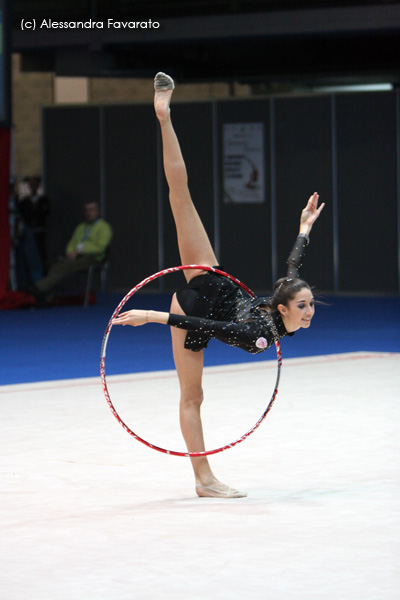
(285, 289)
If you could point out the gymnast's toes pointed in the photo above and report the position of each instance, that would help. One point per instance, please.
(162, 81)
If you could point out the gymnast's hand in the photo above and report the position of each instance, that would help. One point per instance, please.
(310, 214)
(141, 317)
(132, 317)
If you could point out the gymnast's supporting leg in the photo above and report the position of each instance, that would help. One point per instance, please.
(194, 248)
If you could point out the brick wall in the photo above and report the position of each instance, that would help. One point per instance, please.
(30, 91)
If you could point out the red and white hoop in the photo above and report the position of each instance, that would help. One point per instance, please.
(103, 357)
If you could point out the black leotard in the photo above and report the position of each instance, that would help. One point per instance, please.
(217, 307)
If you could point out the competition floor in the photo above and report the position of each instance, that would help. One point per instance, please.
(89, 513)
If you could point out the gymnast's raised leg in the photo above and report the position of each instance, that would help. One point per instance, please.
(194, 248)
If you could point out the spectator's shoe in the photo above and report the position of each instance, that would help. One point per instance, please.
(39, 296)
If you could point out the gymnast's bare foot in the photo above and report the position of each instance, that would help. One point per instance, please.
(218, 490)
(164, 86)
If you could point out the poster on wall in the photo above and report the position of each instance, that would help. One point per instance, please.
(243, 163)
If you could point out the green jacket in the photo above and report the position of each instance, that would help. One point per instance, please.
(94, 239)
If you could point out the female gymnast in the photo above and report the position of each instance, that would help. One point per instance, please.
(211, 305)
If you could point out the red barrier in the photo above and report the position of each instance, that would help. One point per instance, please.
(4, 201)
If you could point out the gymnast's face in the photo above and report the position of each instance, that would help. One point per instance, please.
(299, 311)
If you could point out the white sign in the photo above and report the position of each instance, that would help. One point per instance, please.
(243, 155)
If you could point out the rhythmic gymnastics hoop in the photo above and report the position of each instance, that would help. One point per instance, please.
(103, 358)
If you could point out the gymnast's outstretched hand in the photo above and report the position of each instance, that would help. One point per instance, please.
(132, 317)
(138, 317)
(310, 214)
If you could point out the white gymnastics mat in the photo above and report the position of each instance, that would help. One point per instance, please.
(89, 513)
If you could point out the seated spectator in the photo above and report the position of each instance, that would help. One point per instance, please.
(86, 247)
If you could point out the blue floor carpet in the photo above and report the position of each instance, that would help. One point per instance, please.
(64, 342)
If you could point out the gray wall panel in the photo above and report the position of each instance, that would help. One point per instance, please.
(112, 154)
(71, 169)
(245, 229)
(367, 198)
(303, 166)
(130, 158)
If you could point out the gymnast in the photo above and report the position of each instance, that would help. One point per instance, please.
(211, 305)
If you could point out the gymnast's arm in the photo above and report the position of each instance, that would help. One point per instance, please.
(141, 317)
(308, 217)
(231, 333)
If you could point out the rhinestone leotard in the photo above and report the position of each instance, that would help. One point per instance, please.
(217, 307)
